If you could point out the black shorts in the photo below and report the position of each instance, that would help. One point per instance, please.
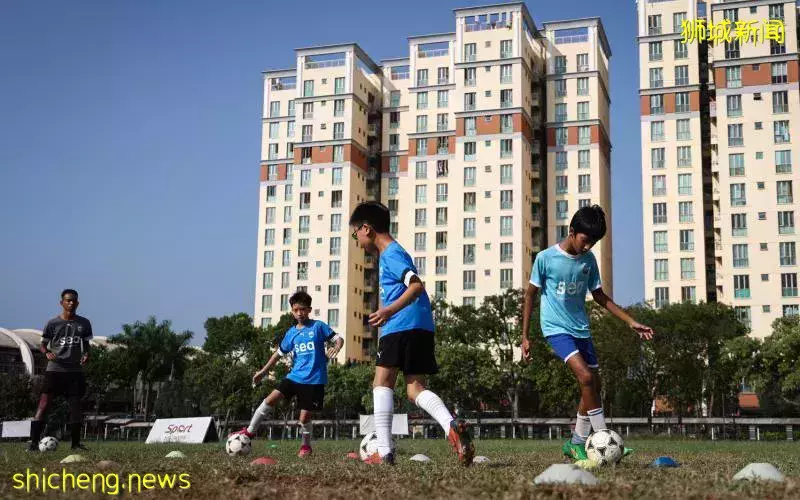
(67, 384)
(413, 351)
(309, 396)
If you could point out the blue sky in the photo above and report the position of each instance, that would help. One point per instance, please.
(129, 145)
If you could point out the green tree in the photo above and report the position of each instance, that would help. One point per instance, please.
(231, 336)
(779, 378)
(16, 396)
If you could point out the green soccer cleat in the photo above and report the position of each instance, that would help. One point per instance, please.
(626, 452)
(574, 451)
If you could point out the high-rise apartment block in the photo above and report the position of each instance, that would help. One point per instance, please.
(482, 142)
(719, 140)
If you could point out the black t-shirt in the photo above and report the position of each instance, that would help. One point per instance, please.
(68, 340)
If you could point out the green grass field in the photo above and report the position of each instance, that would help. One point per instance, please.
(706, 472)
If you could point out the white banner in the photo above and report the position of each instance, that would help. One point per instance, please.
(182, 430)
(399, 424)
(17, 429)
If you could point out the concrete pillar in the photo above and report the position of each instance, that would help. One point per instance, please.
(355, 432)
(752, 432)
(502, 432)
(550, 432)
(789, 433)
(530, 432)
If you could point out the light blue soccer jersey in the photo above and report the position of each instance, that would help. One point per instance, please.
(564, 280)
(307, 345)
(395, 271)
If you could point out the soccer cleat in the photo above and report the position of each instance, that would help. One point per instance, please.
(376, 459)
(626, 451)
(305, 451)
(461, 440)
(244, 431)
(574, 451)
(80, 447)
(32, 448)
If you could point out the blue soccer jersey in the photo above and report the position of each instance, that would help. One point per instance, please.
(307, 346)
(395, 271)
(564, 280)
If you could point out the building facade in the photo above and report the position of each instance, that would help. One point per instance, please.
(717, 153)
(482, 142)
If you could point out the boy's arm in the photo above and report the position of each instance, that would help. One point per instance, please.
(415, 289)
(273, 360)
(645, 332)
(338, 342)
(527, 309)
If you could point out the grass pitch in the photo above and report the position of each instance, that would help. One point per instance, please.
(707, 468)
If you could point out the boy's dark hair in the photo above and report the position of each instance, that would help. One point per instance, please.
(590, 221)
(301, 298)
(373, 213)
(67, 291)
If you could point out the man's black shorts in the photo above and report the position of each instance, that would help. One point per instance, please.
(413, 351)
(67, 384)
(309, 396)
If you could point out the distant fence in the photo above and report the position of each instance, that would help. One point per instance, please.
(755, 429)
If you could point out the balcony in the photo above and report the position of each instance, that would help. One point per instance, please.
(443, 81)
(471, 132)
(394, 102)
(324, 64)
(469, 107)
(506, 79)
(442, 151)
(506, 104)
(470, 57)
(422, 82)
(470, 157)
(506, 54)
(432, 53)
(306, 138)
(583, 67)
(470, 82)
(308, 116)
(442, 126)
(337, 136)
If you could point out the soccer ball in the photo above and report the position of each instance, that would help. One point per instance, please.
(238, 444)
(605, 447)
(369, 445)
(48, 443)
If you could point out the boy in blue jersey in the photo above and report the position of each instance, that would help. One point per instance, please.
(305, 341)
(564, 273)
(406, 340)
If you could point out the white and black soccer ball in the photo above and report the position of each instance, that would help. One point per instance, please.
(238, 444)
(48, 443)
(369, 445)
(605, 447)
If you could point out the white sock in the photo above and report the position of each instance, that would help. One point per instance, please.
(305, 432)
(432, 404)
(598, 419)
(383, 402)
(261, 412)
(583, 427)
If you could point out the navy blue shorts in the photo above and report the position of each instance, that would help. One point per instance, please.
(565, 346)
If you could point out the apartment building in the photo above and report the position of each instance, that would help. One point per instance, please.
(482, 142)
(717, 156)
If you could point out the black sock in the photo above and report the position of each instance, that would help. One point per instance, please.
(36, 432)
(75, 429)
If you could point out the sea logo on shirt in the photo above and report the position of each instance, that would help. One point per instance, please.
(571, 288)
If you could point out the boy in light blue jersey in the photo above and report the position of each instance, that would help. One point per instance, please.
(305, 342)
(565, 273)
(406, 340)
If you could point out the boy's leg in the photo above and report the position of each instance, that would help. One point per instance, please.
(383, 402)
(305, 433)
(428, 401)
(263, 411)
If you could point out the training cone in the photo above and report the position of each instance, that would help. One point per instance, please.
(107, 465)
(565, 474)
(420, 458)
(480, 459)
(759, 472)
(71, 459)
(664, 462)
(175, 454)
(353, 455)
(264, 461)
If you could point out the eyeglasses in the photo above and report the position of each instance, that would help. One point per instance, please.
(355, 232)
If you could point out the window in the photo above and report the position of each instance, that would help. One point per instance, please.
(560, 64)
(302, 251)
(469, 254)
(680, 49)
(779, 72)
(470, 202)
(659, 213)
(422, 123)
(739, 224)
(733, 76)
(788, 256)
(741, 286)
(506, 172)
(269, 258)
(732, 49)
(271, 191)
(784, 192)
(684, 129)
(273, 130)
(660, 242)
(422, 77)
(583, 111)
(789, 285)
(333, 294)
(470, 52)
(441, 240)
(736, 164)
(505, 49)
(562, 209)
(561, 112)
(685, 211)
(266, 303)
(684, 184)
(657, 158)
(308, 88)
(419, 263)
(469, 151)
(656, 131)
(266, 282)
(659, 185)
(338, 107)
(687, 269)
(684, 156)
(655, 51)
(421, 170)
(441, 123)
(689, 294)
(678, 19)
(285, 301)
(393, 186)
(420, 217)
(734, 107)
(333, 317)
(269, 237)
(287, 236)
(661, 269)
(440, 291)
(561, 184)
(335, 246)
(791, 309)
(506, 148)
(469, 227)
(662, 297)
(561, 136)
(506, 225)
(394, 164)
(336, 176)
(333, 269)
(506, 199)
(781, 129)
(738, 196)
(686, 240)
(441, 264)
(780, 101)
(305, 201)
(506, 278)
(506, 252)
(584, 135)
(270, 215)
(287, 214)
(656, 78)
(394, 99)
(561, 160)
(654, 25)
(735, 137)
(786, 222)
(506, 98)
(561, 87)
(392, 205)
(443, 75)
(583, 86)
(421, 193)
(273, 151)
(336, 222)
(681, 75)
(274, 109)
(505, 73)
(469, 176)
(741, 256)
(422, 100)
(776, 48)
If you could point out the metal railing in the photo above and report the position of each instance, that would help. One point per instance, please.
(324, 64)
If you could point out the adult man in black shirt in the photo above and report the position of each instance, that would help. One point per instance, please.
(65, 343)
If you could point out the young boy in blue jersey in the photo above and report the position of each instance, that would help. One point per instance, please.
(305, 341)
(564, 273)
(406, 340)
